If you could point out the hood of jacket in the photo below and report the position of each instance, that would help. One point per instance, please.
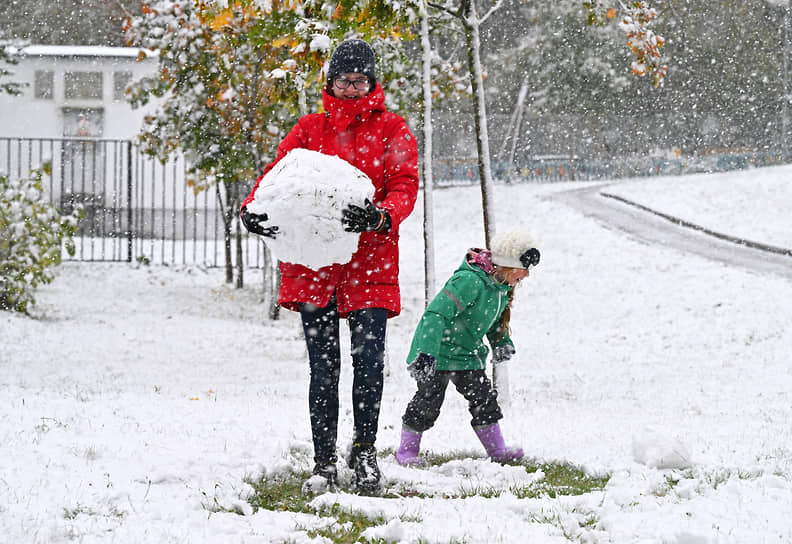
(478, 262)
(342, 112)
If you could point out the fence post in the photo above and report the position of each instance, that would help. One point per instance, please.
(129, 201)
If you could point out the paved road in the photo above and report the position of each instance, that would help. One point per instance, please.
(651, 228)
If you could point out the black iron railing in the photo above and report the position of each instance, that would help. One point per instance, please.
(135, 207)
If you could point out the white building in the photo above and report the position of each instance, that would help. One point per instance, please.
(74, 91)
(73, 114)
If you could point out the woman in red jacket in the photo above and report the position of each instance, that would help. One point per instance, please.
(356, 127)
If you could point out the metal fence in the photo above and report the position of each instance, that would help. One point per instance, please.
(138, 208)
(554, 168)
(135, 207)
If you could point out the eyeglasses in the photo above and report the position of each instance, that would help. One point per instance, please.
(360, 84)
(530, 257)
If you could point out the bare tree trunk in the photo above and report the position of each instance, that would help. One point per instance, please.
(229, 266)
(785, 103)
(513, 134)
(271, 284)
(429, 264)
(470, 22)
(468, 15)
(233, 215)
(240, 283)
(225, 208)
(274, 312)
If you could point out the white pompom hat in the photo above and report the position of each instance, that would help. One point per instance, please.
(514, 249)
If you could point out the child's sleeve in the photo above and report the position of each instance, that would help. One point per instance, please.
(498, 336)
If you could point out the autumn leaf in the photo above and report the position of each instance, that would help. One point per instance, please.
(285, 41)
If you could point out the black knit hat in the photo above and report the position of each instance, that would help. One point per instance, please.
(353, 55)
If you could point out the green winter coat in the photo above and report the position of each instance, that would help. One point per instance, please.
(452, 328)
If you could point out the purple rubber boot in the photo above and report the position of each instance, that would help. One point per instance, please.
(492, 440)
(409, 448)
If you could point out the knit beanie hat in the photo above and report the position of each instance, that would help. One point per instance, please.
(514, 249)
(353, 55)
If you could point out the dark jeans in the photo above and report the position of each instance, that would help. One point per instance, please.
(367, 334)
(424, 408)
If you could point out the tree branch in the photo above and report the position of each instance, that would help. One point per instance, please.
(492, 10)
(440, 7)
(123, 8)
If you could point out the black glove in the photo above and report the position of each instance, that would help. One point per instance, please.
(422, 368)
(502, 353)
(253, 223)
(370, 218)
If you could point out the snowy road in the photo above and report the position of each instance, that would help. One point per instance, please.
(647, 227)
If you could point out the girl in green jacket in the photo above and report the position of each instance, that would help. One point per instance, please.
(448, 344)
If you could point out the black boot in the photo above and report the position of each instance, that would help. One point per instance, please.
(363, 460)
(327, 471)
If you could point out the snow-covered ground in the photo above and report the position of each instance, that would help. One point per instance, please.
(750, 204)
(141, 397)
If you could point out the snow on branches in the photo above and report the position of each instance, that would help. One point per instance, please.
(642, 41)
(235, 77)
(33, 235)
(7, 48)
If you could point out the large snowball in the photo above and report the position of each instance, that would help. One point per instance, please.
(303, 195)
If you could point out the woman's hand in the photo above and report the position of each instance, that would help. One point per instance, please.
(253, 223)
(367, 219)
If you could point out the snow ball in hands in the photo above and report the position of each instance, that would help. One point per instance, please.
(303, 195)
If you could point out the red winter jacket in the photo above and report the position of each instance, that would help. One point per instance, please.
(378, 142)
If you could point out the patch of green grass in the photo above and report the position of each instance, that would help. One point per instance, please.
(72, 513)
(484, 491)
(437, 459)
(402, 490)
(349, 525)
(560, 479)
(720, 476)
(281, 492)
(78, 509)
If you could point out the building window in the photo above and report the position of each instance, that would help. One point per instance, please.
(82, 85)
(83, 122)
(44, 84)
(121, 81)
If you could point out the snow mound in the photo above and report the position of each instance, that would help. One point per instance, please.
(654, 450)
(315, 485)
(304, 195)
(391, 532)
